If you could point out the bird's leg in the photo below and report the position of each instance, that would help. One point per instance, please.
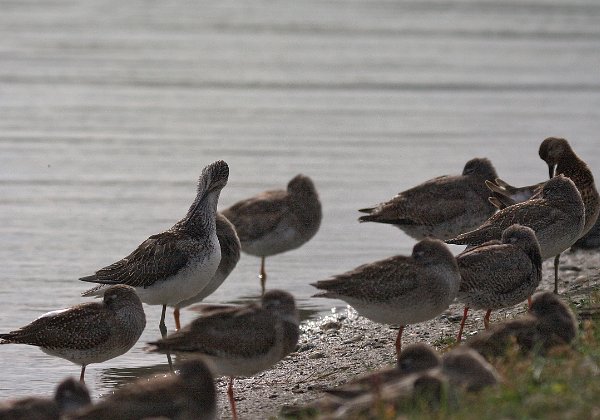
(163, 332)
(486, 319)
(556, 261)
(399, 340)
(263, 275)
(170, 361)
(231, 399)
(529, 302)
(462, 324)
(161, 326)
(176, 316)
(81, 377)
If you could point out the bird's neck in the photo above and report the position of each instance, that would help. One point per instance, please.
(200, 218)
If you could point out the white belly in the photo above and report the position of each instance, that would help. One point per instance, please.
(185, 284)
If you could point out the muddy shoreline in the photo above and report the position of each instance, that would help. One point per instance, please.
(337, 347)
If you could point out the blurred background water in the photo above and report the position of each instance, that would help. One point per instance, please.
(109, 110)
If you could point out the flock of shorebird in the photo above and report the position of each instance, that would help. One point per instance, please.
(509, 232)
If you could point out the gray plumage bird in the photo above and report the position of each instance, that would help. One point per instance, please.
(426, 378)
(239, 340)
(414, 358)
(549, 322)
(230, 255)
(442, 207)
(70, 396)
(399, 290)
(557, 218)
(189, 395)
(499, 274)
(561, 159)
(277, 221)
(178, 263)
(87, 333)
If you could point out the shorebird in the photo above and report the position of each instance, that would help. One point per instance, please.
(70, 395)
(239, 340)
(399, 290)
(461, 368)
(430, 388)
(561, 159)
(417, 357)
(549, 322)
(178, 263)
(277, 221)
(189, 395)
(498, 274)
(89, 332)
(230, 255)
(467, 369)
(557, 217)
(442, 207)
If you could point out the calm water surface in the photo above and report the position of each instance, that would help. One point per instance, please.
(109, 111)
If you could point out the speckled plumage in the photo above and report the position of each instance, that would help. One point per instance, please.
(414, 358)
(189, 395)
(561, 159)
(230, 255)
(466, 369)
(70, 395)
(557, 217)
(87, 333)
(277, 221)
(239, 340)
(433, 382)
(442, 207)
(549, 322)
(176, 264)
(498, 274)
(399, 290)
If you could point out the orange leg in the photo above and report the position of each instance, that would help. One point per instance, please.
(529, 302)
(231, 400)
(462, 324)
(263, 275)
(486, 319)
(81, 379)
(399, 340)
(176, 316)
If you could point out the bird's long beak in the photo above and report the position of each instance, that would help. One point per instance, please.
(551, 170)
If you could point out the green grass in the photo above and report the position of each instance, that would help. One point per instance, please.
(563, 384)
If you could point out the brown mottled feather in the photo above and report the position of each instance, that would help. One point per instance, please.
(68, 329)
(146, 265)
(213, 332)
(256, 216)
(391, 276)
(441, 207)
(189, 395)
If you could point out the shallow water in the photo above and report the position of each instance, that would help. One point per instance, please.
(109, 110)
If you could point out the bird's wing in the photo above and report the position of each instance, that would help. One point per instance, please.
(157, 258)
(417, 206)
(258, 216)
(66, 328)
(381, 280)
(225, 333)
(535, 213)
(491, 259)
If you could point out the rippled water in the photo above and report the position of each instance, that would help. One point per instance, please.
(109, 110)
